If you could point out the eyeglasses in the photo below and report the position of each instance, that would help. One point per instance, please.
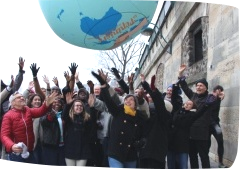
(78, 105)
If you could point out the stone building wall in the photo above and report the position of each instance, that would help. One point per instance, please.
(220, 63)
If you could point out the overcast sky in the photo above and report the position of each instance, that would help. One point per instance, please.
(26, 33)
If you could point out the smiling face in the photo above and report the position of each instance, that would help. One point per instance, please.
(57, 105)
(200, 88)
(78, 107)
(36, 102)
(130, 101)
(18, 102)
(188, 105)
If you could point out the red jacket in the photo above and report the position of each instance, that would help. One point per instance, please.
(17, 126)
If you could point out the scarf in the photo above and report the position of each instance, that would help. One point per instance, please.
(129, 111)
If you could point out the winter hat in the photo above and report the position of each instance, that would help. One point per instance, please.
(203, 81)
(168, 106)
(179, 90)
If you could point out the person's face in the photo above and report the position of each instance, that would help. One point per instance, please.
(200, 88)
(57, 105)
(19, 101)
(78, 107)
(43, 90)
(36, 102)
(97, 91)
(130, 102)
(188, 105)
(82, 95)
(169, 92)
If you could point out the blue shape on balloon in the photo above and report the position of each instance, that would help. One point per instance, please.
(104, 25)
(60, 13)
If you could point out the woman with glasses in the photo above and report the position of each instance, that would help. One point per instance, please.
(17, 127)
(79, 129)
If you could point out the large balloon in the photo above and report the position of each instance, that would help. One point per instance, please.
(98, 24)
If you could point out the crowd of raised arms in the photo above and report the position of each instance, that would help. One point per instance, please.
(109, 126)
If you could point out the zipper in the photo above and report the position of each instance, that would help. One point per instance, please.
(26, 128)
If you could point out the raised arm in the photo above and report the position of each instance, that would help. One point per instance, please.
(19, 77)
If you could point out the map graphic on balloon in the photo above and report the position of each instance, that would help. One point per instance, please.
(98, 24)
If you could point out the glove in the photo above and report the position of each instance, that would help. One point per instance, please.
(140, 144)
(153, 82)
(34, 69)
(115, 72)
(99, 78)
(73, 68)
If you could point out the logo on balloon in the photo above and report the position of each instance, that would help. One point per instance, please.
(96, 24)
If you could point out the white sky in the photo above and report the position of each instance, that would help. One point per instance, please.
(26, 33)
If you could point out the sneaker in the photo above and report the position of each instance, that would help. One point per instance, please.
(221, 165)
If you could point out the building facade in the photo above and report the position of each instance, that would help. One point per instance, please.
(205, 37)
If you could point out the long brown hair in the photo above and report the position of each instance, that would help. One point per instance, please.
(85, 115)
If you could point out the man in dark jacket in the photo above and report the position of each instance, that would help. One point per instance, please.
(199, 131)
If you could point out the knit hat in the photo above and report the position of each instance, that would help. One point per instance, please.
(168, 106)
(203, 81)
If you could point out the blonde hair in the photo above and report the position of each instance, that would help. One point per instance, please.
(86, 116)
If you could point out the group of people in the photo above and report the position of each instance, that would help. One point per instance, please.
(118, 127)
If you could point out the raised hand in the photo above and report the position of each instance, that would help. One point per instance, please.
(90, 83)
(55, 81)
(99, 78)
(91, 100)
(73, 68)
(115, 72)
(182, 69)
(103, 75)
(67, 76)
(21, 63)
(50, 99)
(76, 76)
(34, 69)
(142, 77)
(12, 81)
(30, 85)
(153, 78)
(69, 98)
(45, 79)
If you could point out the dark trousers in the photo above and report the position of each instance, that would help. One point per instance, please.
(151, 164)
(37, 152)
(216, 131)
(97, 152)
(53, 155)
(199, 147)
(18, 158)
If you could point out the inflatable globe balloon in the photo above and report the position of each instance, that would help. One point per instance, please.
(98, 24)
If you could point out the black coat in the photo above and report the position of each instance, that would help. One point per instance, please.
(124, 130)
(77, 137)
(200, 127)
(157, 135)
(182, 121)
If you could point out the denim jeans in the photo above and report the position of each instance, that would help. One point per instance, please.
(18, 158)
(113, 163)
(177, 160)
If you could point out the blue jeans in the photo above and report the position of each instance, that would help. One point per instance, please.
(113, 163)
(177, 160)
(18, 158)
